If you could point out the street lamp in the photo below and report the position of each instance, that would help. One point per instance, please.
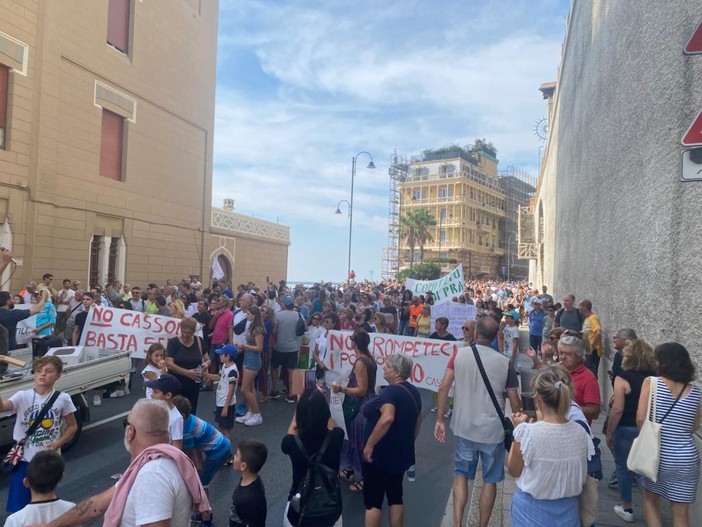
(371, 165)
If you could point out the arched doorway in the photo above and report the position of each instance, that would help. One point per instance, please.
(221, 266)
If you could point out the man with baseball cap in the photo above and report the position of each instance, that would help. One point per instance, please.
(165, 388)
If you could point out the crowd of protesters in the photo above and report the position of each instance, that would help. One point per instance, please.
(247, 338)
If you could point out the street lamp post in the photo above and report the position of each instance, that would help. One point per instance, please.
(371, 165)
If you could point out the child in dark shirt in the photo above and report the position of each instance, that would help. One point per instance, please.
(249, 498)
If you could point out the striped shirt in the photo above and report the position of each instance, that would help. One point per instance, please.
(679, 467)
(202, 436)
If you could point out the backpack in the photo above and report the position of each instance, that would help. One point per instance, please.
(318, 500)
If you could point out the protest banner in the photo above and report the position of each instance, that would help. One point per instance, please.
(430, 358)
(26, 327)
(444, 288)
(120, 329)
(456, 313)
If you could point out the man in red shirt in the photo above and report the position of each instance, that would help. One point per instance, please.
(571, 354)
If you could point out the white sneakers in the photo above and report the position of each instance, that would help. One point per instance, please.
(250, 419)
(254, 420)
(244, 417)
(624, 514)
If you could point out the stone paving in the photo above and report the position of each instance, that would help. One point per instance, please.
(609, 497)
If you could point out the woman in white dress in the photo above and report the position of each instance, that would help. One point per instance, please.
(548, 458)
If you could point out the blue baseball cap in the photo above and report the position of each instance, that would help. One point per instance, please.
(166, 383)
(228, 349)
(289, 301)
(512, 314)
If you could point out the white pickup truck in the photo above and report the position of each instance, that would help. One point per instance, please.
(101, 367)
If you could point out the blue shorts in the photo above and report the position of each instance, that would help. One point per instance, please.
(492, 455)
(252, 361)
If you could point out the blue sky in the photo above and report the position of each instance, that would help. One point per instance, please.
(304, 85)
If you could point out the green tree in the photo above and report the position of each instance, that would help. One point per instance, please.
(423, 221)
(421, 271)
(408, 232)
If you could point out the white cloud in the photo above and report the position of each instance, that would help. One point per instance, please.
(302, 87)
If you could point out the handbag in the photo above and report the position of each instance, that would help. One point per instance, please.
(588, 502)
(507, 424)
(11, 460)
(645, 454)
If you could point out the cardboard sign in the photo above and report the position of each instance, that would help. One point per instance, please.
(120, 329)
(25, 328)
(456, 313)
(444, 288)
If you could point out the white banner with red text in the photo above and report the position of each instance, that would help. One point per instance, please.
(444, 288)
(120, 329)
(429, 356)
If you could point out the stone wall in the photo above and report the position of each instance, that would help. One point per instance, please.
(621, 228)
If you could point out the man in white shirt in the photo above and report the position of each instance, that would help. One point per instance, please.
(159, 495)
(475, 423)
(510, 334)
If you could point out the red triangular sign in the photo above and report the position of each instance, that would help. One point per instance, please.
(693, 136)
(694, 45)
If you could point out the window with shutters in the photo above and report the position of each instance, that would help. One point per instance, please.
(94, 265)
(4, 85)
(111, 145)
(112, 261)
(118, 13)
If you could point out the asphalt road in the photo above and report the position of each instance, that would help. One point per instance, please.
(99, 457)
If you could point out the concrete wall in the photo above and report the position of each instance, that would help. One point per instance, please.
(621, 228)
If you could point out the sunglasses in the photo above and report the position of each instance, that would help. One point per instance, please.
(571, 333)
(466, 329)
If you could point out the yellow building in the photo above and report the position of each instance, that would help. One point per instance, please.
(461, 191)
(106, 140)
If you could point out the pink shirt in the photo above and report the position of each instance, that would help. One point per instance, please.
(220, 332)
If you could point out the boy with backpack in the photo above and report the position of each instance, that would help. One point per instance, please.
(249, 505)
(43, 475)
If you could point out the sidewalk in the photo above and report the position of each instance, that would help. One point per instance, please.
(608, 497)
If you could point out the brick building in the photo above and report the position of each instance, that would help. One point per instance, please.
(106, 141)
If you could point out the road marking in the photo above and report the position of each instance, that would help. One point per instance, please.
(108, 420)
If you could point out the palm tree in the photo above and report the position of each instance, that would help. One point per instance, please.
(407, 231)
(423, 221)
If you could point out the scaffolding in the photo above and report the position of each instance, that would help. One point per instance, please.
(391, 254)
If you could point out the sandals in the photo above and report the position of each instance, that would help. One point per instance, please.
(358, 486)
(346, 474)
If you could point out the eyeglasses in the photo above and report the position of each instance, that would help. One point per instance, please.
(466, 328)
(125, 423)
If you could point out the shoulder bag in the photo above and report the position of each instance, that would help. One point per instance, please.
(507, 424)
(11, 460)
(645, 454)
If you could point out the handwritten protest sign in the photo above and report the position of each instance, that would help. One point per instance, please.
(430, 358)
(444, 288)
(124, 330)
(456, 313)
